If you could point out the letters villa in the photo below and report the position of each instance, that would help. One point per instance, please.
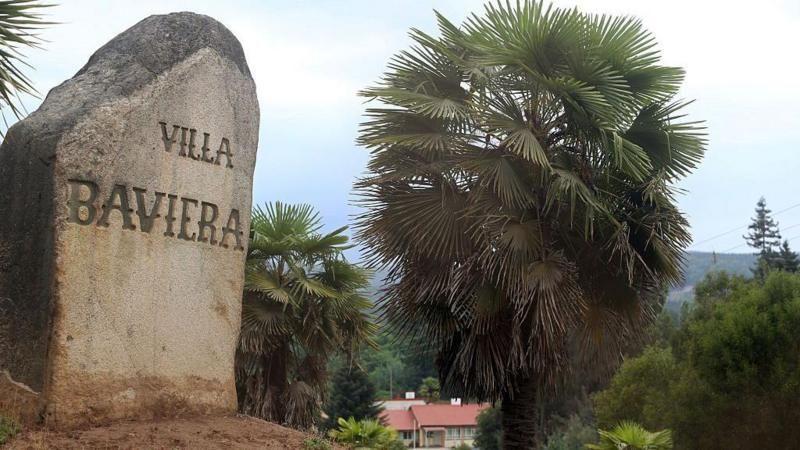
(192, 225)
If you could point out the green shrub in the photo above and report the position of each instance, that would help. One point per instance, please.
(8, 428)
(632, 436)
(574, 433)
(462, 446)
(490, 429)
(395, 445)
(729, 378)
(367, 433)
(316, 444)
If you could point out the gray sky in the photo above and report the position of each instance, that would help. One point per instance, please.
(309, 58)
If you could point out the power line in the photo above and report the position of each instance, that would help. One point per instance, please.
(793, 237)
(733, 248)
(785, 239)
(718, 236)
(790, 227)
(745, 226)
(786, 209)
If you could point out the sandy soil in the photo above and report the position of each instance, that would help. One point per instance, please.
(239, 432)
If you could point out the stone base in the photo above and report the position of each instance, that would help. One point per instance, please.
(100, 400)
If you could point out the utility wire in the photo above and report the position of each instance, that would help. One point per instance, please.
(783, 239)
(745, 226)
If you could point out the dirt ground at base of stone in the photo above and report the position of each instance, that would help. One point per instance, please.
(237, 432)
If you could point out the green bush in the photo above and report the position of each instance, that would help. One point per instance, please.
(461, 446)
(396, 444)
(641, 391)
(352, 395)
(490, 429)
(367, 433)
(632, 436)
(8, 428)
(316, 444)
(574, 434)
(731, 376)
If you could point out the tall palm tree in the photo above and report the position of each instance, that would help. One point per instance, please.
(632, 436)
(520, 194)
(20, 20)
(302, 304)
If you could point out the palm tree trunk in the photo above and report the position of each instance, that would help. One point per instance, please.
(275, 381)
(520, 416)
(262, 393)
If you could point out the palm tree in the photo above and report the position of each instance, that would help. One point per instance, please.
(520, 195)
(19, 22)
(632, 436)
(365, 434)
(302, 304)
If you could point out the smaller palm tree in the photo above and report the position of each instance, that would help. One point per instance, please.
(302, 304)
(629, 435)
(364, 434)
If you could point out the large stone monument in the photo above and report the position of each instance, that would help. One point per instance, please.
(124, 209)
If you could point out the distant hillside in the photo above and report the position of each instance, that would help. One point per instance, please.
(698, 264)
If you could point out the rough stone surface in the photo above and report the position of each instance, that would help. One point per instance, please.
(124, 312)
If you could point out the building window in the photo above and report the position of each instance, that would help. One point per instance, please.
(406, 435)
(469, 432)
(453, 433)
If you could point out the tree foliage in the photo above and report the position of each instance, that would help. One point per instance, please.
(574, 434)
(397, 366)
(430, 389)
(765, 238)
(731, 378)
(764, 235)
(489, 433)
(302, 304)
(642, 390)
(352, 395)
(787, 259)
(520, 193)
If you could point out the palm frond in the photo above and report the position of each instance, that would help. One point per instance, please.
(20, 22)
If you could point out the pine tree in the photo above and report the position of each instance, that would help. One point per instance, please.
(788, 259)
(352, 395)
(765, 238)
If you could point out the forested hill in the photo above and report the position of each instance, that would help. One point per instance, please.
(698, 264)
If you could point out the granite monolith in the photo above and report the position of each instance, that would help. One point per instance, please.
(124, 208)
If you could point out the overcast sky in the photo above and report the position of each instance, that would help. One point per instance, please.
(309, 58)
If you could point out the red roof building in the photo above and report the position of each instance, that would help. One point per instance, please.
(402, 420)
(435, 425)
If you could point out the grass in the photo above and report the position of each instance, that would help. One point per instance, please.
(8, 428)
(316, 444)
